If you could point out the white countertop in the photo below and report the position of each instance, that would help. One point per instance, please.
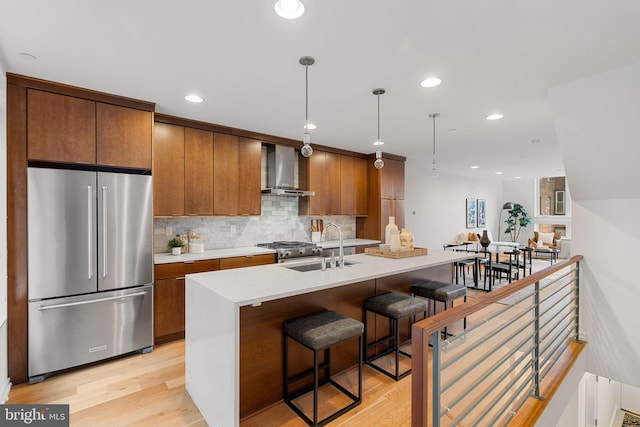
(346, 243)
(254, 285)
(167, 258)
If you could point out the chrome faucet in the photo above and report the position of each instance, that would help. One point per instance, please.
(341, 253)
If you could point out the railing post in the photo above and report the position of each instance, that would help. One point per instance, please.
(577, 291)
(536, 338)
(435, 340)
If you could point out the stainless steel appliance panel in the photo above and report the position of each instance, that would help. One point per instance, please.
(68, 332)
(125, 230)
(62, 240)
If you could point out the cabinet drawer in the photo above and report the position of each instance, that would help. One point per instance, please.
(179, 269)
(202, 266)
(246, 261)
(169, 271)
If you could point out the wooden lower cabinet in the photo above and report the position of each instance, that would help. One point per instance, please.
(168, 296)
(168, 310)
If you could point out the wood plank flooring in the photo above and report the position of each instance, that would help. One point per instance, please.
(148, 390)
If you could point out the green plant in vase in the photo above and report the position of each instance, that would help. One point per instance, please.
(518, 218)
(175, 245)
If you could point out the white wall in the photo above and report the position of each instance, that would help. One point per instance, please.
(604, 232)
(596, 121)
(435, 207)
(4, 380)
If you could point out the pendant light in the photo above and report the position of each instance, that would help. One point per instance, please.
(306, 150)
(434, 167)
(379, 163)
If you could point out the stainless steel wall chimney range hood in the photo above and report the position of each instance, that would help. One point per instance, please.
(281, 172)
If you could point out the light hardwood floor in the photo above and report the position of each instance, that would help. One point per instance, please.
(148, 390)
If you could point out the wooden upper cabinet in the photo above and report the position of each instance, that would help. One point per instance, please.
(60, 128)
(360, 187)
(198, 180)
(311, 173)
(249, 176)
(168, 170)
(392, 180)
(332, 184)
(348, 185)
(225, 174)
(123, 136)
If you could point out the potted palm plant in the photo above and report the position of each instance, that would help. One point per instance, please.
(518, 218)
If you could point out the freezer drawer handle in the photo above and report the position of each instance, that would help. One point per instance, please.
(71, 304)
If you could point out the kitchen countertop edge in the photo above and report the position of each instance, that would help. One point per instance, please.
(166, 258)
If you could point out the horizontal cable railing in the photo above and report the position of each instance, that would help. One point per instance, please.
(483, 374)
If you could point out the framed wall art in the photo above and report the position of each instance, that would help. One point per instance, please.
(481, 213)
(471, 213)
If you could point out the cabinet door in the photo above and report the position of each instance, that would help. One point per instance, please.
(225, 174)
(250, 176)
(168, 170)
(311, 174)
(60, 128)
(360, 186)
(347, 185)
(123, 136)
(392, 180)
(332, 183)
(168, 309)
(198, 164)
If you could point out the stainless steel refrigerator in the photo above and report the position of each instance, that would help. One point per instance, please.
(90, 267)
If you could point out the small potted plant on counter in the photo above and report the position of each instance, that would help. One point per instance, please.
(175, 245)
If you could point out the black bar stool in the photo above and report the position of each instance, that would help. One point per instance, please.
(440, 291)
(394, 306)
(319, 332)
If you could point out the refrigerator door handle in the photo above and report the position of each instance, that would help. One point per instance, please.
(89, 230)
(93, 301)
(104, 231)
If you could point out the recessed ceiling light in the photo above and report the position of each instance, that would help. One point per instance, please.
(499, 173)
(535, 141)
(431, 82)
(475, 167)
(194, 98)
(289, 9)
(495, 116)
(309, 126)
(453, 130)
(27, 56)
(517, 177)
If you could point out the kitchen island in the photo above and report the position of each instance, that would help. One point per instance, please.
(234, 323)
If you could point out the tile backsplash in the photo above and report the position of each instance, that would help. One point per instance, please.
(279, 221)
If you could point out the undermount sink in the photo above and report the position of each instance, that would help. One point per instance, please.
(315, 266)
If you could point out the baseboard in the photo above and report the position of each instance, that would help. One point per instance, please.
(4, 396)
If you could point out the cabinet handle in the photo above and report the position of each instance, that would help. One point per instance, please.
(179, 278)
(90, 229)
(104, 231)
(176, 214)
(188, 262)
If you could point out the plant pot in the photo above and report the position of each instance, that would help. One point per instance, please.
(176, 250)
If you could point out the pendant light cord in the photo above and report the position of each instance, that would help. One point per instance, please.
(434, 137)
(378, 117)
(306, 97)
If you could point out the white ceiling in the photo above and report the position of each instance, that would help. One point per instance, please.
(493, 55)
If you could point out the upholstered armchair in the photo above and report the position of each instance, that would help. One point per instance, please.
(549, 240)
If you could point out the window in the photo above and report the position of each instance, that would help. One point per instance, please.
(552, 196)
(553, 213)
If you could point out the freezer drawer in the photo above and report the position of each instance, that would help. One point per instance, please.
(68, 332)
